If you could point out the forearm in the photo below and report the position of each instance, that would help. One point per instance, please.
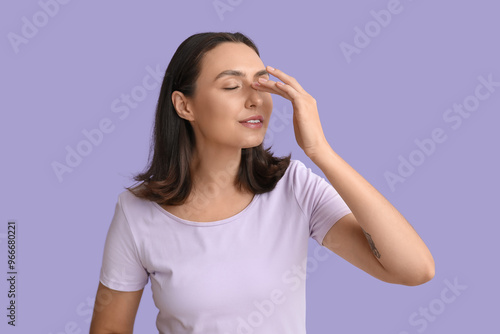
(394, 242)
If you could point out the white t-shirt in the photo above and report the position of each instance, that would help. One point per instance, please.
(243, 274)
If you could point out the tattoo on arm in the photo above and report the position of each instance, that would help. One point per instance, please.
(372, 244)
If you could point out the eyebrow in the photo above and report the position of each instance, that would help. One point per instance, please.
(238, 74)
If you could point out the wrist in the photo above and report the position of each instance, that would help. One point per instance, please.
(319, 152)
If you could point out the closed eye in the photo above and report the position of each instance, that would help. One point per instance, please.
(231, 88)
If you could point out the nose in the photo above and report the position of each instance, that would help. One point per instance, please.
(255, 98)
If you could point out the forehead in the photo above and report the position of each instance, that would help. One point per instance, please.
(230, 55)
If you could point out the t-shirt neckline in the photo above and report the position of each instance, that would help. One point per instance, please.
(240, 214)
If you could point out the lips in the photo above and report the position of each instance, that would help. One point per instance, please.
(256, 117)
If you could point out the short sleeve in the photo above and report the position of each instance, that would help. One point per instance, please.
(121, 265)
(319, 201)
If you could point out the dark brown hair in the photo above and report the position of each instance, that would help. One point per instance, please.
(167, 179)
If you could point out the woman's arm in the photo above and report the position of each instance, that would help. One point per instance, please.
(396, 252)
(375, 237)
(114, 311)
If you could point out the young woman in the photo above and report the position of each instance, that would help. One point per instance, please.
(220, 226)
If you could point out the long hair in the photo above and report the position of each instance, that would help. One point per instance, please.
(167, 179)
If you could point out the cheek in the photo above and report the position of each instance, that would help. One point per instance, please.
(268, 99)
(214, 108)
(268, 104)
(218, 114)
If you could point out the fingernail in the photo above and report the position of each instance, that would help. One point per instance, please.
(270, 68)
(262, 80)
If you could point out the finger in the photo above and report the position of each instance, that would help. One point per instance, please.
(270, 87)
(288, 90)
(289, 80)
(279, 88)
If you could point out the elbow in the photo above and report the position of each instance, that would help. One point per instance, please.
(420, 275)
(415, 274)
(421, 278)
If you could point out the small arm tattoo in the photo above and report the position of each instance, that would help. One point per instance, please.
(372, 244)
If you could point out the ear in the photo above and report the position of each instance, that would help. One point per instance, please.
(180, 103)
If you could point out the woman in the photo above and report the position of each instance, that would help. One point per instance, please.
(220, 226)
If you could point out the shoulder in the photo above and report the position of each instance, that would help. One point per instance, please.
(297, 173)
(304, 181)
(291, 170)
(133, 205)
(297, 164)
(294, 166)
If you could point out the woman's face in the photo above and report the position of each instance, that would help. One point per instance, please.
(223, 99)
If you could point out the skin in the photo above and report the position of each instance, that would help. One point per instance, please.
(375, 237)
(114, 311)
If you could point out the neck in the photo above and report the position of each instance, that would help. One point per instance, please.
(214, 170)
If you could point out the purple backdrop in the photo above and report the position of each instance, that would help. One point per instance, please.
(408, 94)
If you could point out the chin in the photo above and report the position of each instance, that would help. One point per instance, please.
(252, 144)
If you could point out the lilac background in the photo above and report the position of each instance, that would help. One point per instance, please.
(373, 108)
